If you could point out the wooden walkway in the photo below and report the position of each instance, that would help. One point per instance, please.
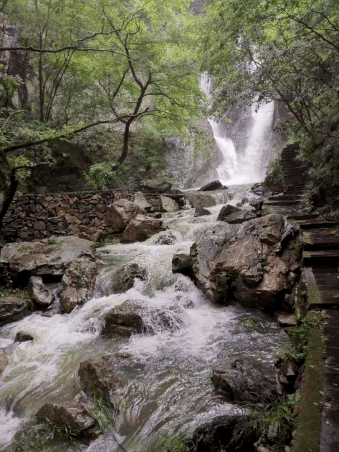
(321, 272)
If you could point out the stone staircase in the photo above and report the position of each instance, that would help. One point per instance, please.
(321, 273)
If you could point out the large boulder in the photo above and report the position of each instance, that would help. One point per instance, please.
(71, 416)
(141, 228)
(252, 262)
(168, 204)
(123, 279)
(47, 257)
(13, 309)
(201, 212)
(124, 320)
(120, 213)
(141, 201)
(215, 185)
(40, 295)
(78, 283)
(207, 199)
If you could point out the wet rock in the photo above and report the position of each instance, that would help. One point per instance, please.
(240, 217)
(285, 319)
(78, 283)
(257, 204)
(97, 379)
(231, 432)
(141, 201)
(47, 257)
(288, 373)
(251, 381)
(3, 363)
(226, 211)
(141, 228)
(215, 185)
(40, 296)
(166, 238)
(201, 212)
(168, 204)
(120, 213)
(201, 200)
(123, 279)
(13, 309)
(124, 320)
(250, 262)
(23, 337)
(163, 187)
(70, 415)
(182, 263)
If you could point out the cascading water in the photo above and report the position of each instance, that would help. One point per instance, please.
(165, 372)
(248, 163)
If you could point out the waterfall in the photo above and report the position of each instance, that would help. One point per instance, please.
(244, 162)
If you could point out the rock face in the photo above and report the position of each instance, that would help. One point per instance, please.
(123, 279)
(215, 185)
(78, 283)
(252, 263)
(141, 228)
(70, 415)
(40, 296)
(124, 320)
(141, 201)
(120, 213)
(231, 432)
(13, 309)
(168, 204)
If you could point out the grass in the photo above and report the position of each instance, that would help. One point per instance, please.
(103, 414)
(172, 443)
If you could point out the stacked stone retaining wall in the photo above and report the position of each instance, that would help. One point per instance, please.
(33, 217)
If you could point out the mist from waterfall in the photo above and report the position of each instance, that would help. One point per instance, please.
(248, 163)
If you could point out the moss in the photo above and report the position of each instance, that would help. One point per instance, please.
(314, 296)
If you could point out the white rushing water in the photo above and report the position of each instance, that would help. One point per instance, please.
(165, 374)
(247, 165)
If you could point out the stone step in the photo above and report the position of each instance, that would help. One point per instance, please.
(322, 256)
(316, 223)
(286, 198)
(282, 203)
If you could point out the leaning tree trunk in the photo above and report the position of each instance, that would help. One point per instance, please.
(8, 186)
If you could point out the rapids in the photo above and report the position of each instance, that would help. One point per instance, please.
(165, 372)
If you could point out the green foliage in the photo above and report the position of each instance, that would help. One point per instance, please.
(99, 176)
(172, 443)
(275, 179)
(103, 414)
(277, 419)
(251, 324)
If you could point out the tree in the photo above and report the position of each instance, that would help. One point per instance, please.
(96, 63)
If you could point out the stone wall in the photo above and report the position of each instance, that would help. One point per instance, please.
(33, 217)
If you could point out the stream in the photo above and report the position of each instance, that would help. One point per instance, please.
(165, 372)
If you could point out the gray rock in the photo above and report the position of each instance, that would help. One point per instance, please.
(215, 185)
(23, 337)
(47, 257)
(123, 279)
(97, 379)
(120, 213)
(166, 238)
(226, 211)
(78, 283)
(201, 200)
(201, 212)
(240, 217)
(141, 228)
(141, 201)
(285, 319)
(70, 415)
(168, 204)
(124, 320)
(40, 296)
(13, 309)
(251, 381)
(182, 263)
